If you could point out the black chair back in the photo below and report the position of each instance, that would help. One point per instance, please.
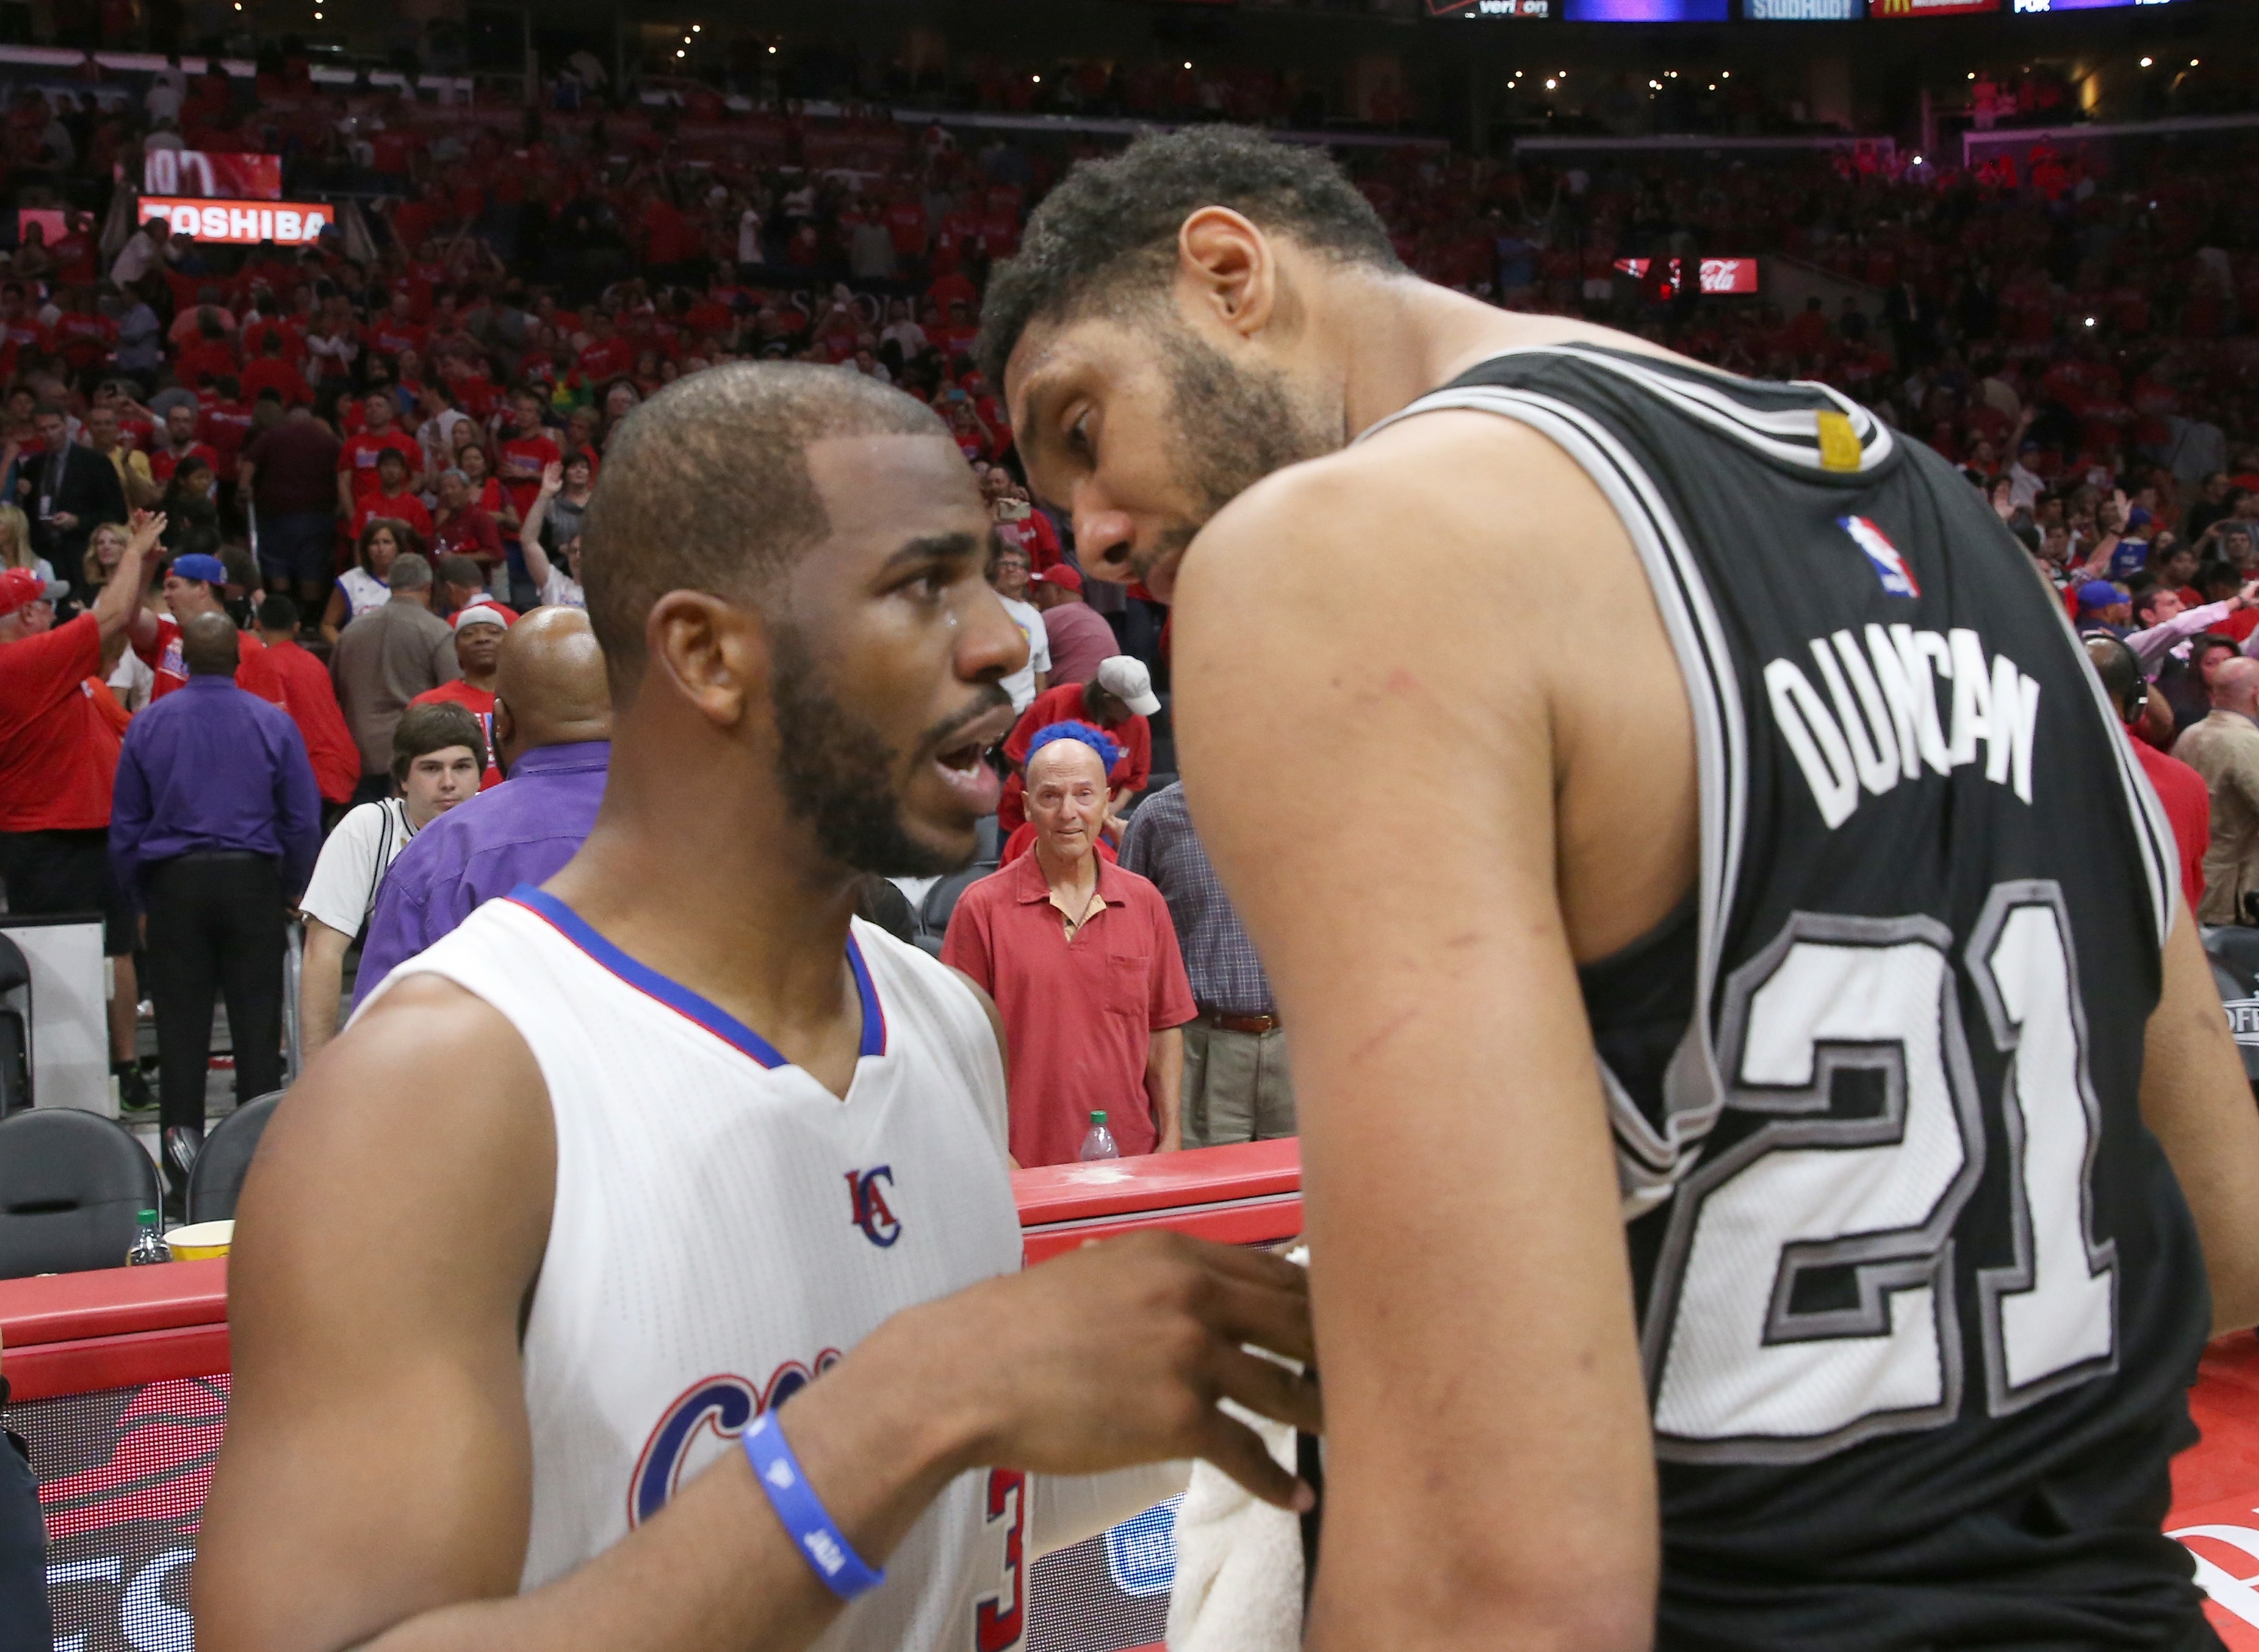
(216, 1179)
(72, 1188)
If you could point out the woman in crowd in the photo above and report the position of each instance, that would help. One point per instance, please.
(438, 755)
(361, 587)
(487, 491)
(16, 543)
(103, 548)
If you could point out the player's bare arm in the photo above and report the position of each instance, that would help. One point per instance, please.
(2196, 1100)
(1488, 1428)
(376, 1485)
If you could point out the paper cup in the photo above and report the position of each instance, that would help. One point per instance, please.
(203, 1240)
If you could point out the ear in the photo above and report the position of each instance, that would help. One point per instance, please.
(1229, 268)
(504, 725)
(714, 654)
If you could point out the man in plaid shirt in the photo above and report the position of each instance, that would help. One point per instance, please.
(1235, 1083)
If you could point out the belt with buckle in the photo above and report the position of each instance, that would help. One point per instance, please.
(1238, 1023)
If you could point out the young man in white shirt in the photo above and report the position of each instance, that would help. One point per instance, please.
(437, 756)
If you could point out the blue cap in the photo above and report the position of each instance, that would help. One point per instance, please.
(210, 570)
(2095, 593)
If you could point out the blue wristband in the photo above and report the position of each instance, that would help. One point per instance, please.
(821, 1542)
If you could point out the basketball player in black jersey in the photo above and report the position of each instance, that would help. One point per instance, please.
(1767, 1118)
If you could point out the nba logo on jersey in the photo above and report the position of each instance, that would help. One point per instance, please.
(872, 1214)
(1890, 566)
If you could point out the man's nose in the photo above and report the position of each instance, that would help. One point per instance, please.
(1102, 540)
(989, 644)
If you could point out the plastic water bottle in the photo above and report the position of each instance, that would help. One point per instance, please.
(1098, 1142)
(149, 1245)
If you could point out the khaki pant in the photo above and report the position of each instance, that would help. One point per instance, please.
(1237, 1087)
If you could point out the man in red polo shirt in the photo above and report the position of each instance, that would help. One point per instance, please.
(59, 744)
(1082, 960)
(1119, 700)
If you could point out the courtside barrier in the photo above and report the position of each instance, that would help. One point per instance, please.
(121, 1383)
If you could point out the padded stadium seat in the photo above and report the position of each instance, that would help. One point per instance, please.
(941, 901)
(15, 1028)
(2233, 950)
(72, 1189)
(989, 841)
(216, 1179)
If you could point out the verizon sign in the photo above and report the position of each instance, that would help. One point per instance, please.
(1719, 274)
(212, 175)
(284, 223)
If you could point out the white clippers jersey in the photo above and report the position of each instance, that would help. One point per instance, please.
(726, 1228)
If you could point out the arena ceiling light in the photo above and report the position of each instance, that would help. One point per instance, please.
(2147, 61)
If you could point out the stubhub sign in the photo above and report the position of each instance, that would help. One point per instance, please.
(242, 222)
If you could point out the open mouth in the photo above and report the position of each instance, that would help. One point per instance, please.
(963, 763)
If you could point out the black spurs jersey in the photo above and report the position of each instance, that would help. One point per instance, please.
(1920, 1298)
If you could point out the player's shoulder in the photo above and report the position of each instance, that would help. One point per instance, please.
(1405, 505)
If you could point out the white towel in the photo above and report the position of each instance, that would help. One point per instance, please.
(1239, 1561)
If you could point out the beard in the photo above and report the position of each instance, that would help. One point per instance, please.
(836, 770)
(1233, 426)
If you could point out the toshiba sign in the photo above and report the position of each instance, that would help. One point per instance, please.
(242, 222)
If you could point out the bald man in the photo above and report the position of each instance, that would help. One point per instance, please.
(2224, 748)
(552, 731)
(1082, 960)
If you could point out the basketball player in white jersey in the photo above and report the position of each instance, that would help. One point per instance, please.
(535, 1251)
(1543, 592)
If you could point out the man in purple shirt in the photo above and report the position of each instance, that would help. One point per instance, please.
(213, 831)
(552, 730)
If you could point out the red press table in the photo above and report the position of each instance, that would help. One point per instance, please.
(121, 1383)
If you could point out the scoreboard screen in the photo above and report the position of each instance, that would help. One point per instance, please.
(1803, 11)
(1645, 11)
(1929, 7)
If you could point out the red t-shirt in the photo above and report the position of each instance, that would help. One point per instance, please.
(58, 752)
(1134, 768)
(272, 372)
(2188, 808)
(311, 700)
(521, 459)
(1079, 1015)
(162, 463)
(359, 455)
(479, 703)
(469, 532)
(398, 506)
(254, 673)
(606, 358)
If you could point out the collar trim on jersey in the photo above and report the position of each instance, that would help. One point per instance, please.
(693, 1006)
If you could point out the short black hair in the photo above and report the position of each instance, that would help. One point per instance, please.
(1114, 222)
(278, 613)
(705, 487)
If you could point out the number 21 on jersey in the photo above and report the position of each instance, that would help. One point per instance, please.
(1805, 1298)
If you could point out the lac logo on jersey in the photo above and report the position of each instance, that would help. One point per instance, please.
(872, 1214)
(1890, 566)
